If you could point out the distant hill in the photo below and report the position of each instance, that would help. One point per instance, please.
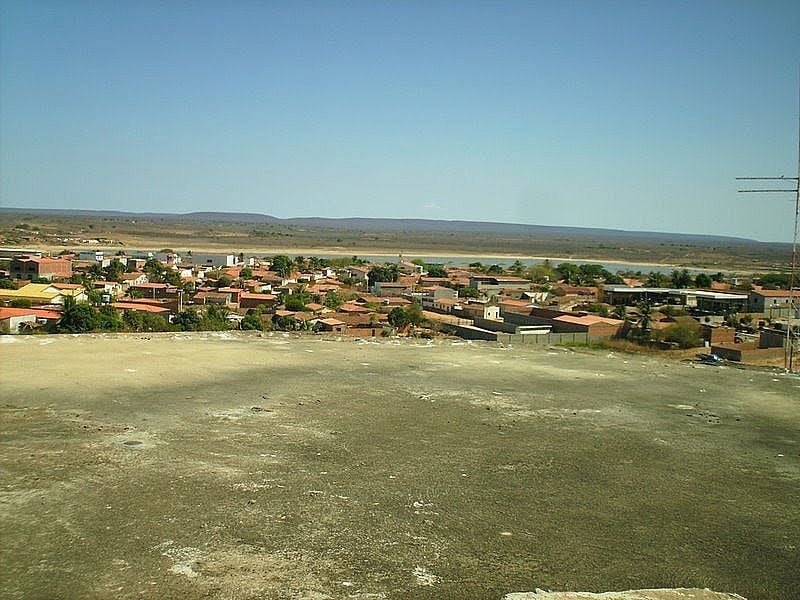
(375, 224)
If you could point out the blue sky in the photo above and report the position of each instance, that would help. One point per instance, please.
(628, 115)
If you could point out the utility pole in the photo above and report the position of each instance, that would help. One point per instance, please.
(792, 331)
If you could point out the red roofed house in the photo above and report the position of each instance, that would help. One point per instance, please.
(26, 267)
(233, 293)
(593, 325)
(248, 300)
(332, 325)
(142, 308)
(762, 300)
(11, 319)
(352, 308)
(153, 290)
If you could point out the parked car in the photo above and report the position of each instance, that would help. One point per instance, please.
(710, 358)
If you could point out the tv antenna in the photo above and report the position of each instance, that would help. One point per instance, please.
(792, 327)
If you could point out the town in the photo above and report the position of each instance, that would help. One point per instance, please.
(735, 318)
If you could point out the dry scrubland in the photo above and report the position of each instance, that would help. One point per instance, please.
(224, 466)
(40, 229)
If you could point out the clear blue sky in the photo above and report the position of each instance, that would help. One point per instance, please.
(630, 115)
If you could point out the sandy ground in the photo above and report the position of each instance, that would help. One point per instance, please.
(239, 466)
(660, 594)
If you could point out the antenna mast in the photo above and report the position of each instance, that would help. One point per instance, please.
(792, 330)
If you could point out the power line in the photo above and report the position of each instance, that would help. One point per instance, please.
(792, 331)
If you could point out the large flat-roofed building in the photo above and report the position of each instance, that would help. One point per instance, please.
(211, 260)
(702, 300)
(12, 252)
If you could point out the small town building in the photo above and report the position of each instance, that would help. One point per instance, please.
(13, 320)
(248, 300)
(493, 284)
(152, 290)
(332, 325)
(141, 307)
(44, 293)
(764, 301)
(385, 288)
(31, 267)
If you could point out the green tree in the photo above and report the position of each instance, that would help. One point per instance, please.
(151, 322)
(282, 265)
(598, 308)
(224, 281)
(686, 334)
(96, 271)
(114, 270)
(333, 299)
(295, 302)
(108, 319)
(252, 321)
(541, 273)
(478, 267)
(613, 279)
(172, 277)
(386, 273)
(681, 279)
(517, 268)
(569, 272)
(646, 310)
(702, 280)
(319, 263)
(154, 270)
(215, 318)
(436, 271)
(246, 273)
(76, 318)
(468, 292)
(773, 281)
(188, 320)
(655, 279)
(93, 295)
(287, 323)
(619, 311)
(495, 270)
(132, 320)
(20, 303)
(590, 274)
(414, 314)
(398, 317)
(7, 284)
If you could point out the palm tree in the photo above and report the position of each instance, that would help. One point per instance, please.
(619, 311)
(646, 310)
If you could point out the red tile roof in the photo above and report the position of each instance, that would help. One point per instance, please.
(587, 320)
(148, 308)
(331, 322)
(39, 313)
(777, 293)
(252, 296)
(153, 286)
(352, 308)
